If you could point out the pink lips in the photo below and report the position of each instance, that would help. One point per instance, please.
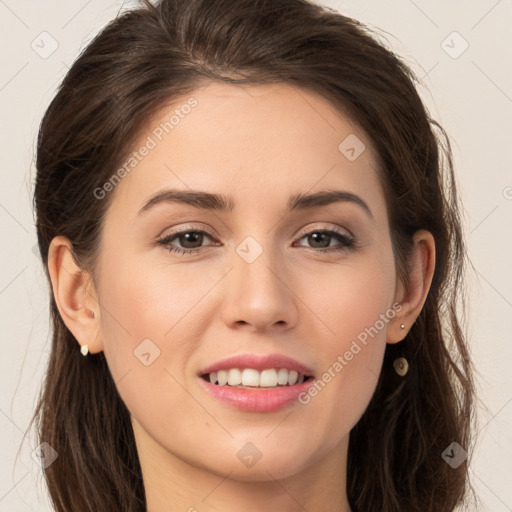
(257, 399)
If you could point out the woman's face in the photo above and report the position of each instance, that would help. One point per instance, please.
(265, 277)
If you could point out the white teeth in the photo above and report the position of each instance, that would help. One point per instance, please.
(268, 378)
(222, 377)
(292, 377)
(282, 376)
(249, 377)
(234, 377)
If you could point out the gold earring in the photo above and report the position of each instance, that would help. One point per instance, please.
(84, 350)
(401, 366)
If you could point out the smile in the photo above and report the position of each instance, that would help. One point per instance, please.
(252, 378)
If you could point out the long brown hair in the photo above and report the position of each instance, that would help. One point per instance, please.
(139, 62)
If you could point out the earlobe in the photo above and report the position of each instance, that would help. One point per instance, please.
(413, 294)
(74, 295)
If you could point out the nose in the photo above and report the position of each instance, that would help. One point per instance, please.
(259, 296)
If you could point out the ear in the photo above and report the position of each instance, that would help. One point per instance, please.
(413, 294)
(74, 294)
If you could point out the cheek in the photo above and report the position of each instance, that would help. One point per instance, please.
(148, 301)
(352, 298)
(152, 324)
(148, 340)
(137, 312)
(355, 306)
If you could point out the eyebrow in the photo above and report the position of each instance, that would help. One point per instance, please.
(222, 203)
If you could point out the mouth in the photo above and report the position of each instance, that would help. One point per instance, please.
(256, 382)
(250, 378)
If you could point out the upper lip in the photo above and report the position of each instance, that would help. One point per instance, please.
(258, 362)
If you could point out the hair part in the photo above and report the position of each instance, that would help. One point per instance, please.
(145, 59)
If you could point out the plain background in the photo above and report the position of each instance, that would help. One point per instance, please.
(469, 92)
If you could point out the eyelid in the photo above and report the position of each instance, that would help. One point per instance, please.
(187, 228)
(326, 227)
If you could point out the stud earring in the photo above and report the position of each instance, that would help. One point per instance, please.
(402, 326)
(84, 350)
(401, 366)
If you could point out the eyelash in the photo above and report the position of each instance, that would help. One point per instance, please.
(348, 243)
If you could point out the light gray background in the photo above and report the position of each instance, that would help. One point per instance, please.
(470, 95)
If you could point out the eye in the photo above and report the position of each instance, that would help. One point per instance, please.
(321, 239)
(191, 241)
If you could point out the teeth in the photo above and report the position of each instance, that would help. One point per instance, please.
(282, 377)
(222, 377)
(249, 377)
(292, 377)
(268, 378)
(234, 377)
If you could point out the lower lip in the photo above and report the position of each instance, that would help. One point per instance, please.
(258, 399)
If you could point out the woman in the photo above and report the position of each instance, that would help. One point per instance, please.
(250, 228)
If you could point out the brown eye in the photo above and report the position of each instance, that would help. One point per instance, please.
(321, 239)
(185, 242)
(191, 239)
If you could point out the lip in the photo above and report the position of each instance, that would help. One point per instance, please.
(257, 399)
(258, 362)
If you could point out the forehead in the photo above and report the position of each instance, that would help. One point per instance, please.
(253, 143)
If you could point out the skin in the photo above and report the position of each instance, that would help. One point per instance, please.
(260, 145)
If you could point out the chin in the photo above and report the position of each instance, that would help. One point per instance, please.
(250, 463)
